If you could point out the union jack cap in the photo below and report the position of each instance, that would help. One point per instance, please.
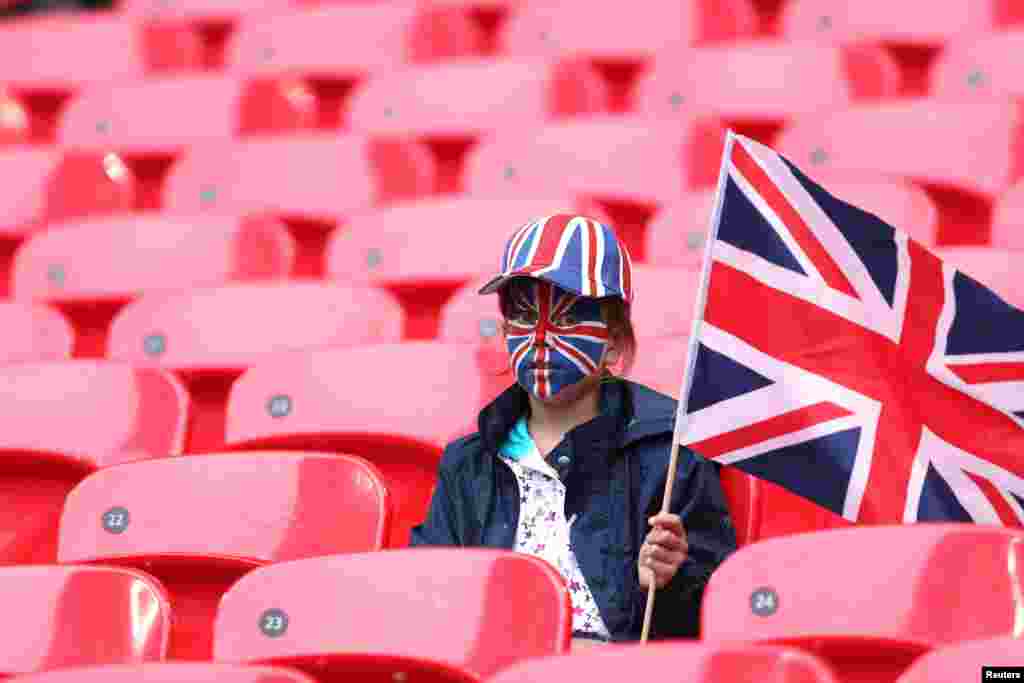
(577, 253)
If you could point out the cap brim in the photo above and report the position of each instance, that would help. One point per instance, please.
(495, 284)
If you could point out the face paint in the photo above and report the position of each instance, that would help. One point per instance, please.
(555, 338)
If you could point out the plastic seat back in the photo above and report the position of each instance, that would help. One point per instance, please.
(346, 399)
(80, 616)
(460, 592)
(33, 332)
(212, 335)
(409, 248)
(979, 67)
(886, 613)
(689, 661)
(93, 267)
(753, 81)
(964, 661)
(378, 38)
(42, 184)
(836, 21)
(244, 510)
(618, 31)
(171, 672)
(465, 98)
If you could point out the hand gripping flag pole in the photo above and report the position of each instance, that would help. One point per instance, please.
(691, 360)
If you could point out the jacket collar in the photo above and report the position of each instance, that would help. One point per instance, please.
(629, 409)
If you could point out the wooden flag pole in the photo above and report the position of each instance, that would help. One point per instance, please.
(666, 501)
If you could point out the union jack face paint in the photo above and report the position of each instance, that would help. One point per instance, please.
(555, 338)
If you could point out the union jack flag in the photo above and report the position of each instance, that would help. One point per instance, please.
(840, 359)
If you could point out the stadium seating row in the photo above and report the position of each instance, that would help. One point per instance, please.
(263, 595)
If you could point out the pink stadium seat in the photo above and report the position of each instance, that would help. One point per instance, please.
(967, 152)
(997, 269)
(345, 400)
(408, 249)
(1008, 221)
(80, 616)
(622, 31)
(15, 123)
(170, 672)
(687, 661)
(619, 161)
(33, 332)
(41, 185)
(663, 307)
(964, 661)
(210, 336)
(152, 122)
(339, 174)
(450, 105)
(937, 584)
(395, 609)
(34, 52)
(753, 82)
(201, 11)
(93, 267)
(63, 420)
(980, 67)
(198, 523)
(835, 21)
(677, 234)
(378, 38)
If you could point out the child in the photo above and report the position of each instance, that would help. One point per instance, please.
(569, 463)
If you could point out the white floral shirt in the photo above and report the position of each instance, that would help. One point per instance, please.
(543, 530)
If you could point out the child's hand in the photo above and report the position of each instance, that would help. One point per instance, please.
(663, 551)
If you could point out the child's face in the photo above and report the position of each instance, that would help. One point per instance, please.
(555, 338)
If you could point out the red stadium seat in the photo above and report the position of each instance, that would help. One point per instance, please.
(450, 105)
(451, 606)
(198, 523)
(170, 672)
(210, 336)
(870, 619)
(80, 616)
(65, 419)
(409, 250)
(753, 82)
(980, 67)
(1008, 221)
(964, 661)
(152, 122)
(622, 31)
(34, 52)
(677, 234)
(340, 174)
(997, 269)
(345, 400)
(92, 268)
(378, 38)
(687, 661)
(41, 185)
(966, 152)
(15, 124)
(663, 307)
(33, 332)
(835, 21)
(618, 161)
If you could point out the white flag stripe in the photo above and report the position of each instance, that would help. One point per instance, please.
(978, 358)
(877, 313)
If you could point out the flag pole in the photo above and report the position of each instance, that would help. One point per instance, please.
(702, 295)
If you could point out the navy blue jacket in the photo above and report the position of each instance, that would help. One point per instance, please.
(615, 480)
